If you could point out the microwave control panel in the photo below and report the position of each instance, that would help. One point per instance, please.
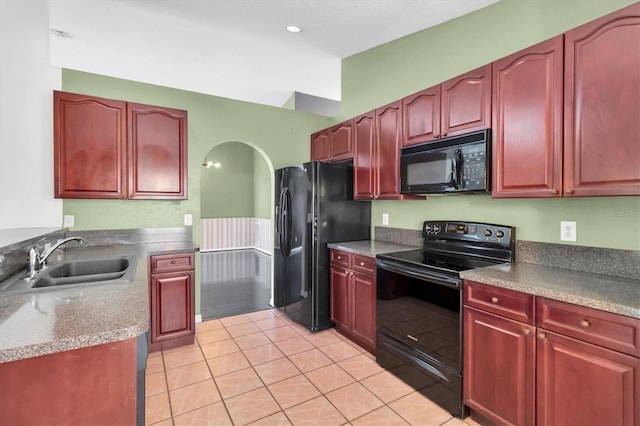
(474, 166)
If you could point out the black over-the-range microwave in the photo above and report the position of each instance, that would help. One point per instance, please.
(455, 164)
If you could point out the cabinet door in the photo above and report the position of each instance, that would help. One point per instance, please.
(363, 310)
(387, 137)
(89, 147)
(172, 304)
(584, 384)
(364, 157)
(602, 106)
(466, 102)
(341, 141)
(320, 146)
(157, 152)
(421, 113)
(499, 368)
(340, 297)
(527, 122)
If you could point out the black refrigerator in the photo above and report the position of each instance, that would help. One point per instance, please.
(313, 206)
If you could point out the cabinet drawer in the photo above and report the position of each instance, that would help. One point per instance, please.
(605, 329)
(172, 262)
(341, 258)
(363, 264)
(500, 301)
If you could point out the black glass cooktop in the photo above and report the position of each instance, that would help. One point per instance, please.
(436, 260)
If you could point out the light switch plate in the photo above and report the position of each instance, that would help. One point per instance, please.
(68, 221)
(188, 219)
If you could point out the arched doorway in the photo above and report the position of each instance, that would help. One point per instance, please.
(236, 236)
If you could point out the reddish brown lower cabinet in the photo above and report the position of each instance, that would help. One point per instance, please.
(172, 300)
(577, 366)
(353, 297)
(88, 386)
(583, 384)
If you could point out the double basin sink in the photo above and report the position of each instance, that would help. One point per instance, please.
(73, 273)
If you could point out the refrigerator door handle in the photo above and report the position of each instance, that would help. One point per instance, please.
(287, 222)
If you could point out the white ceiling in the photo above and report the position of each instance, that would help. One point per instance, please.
(237, 49)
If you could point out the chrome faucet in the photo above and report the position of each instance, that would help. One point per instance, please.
(38, 261)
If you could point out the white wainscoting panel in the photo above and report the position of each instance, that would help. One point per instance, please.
(235, 233)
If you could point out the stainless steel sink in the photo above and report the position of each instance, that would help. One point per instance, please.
(74, 272)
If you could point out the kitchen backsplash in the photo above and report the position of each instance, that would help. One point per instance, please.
(620, 263)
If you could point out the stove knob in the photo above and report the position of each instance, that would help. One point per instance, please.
(436, 228)
(487, 232)
(499, 234)
(428, 227)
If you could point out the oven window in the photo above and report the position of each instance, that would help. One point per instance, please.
(429, 172)
(423, 315)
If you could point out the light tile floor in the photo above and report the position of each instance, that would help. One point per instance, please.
(262, 369)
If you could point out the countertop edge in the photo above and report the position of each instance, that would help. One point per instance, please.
(370, 248)
(603, 292)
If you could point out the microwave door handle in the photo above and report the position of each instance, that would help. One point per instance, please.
(456, 177)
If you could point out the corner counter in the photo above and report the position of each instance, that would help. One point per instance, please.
(49, 321)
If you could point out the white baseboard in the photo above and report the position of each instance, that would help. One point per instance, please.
(199, 318)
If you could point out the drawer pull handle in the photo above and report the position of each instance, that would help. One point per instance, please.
(584, 323)
(541, 336)
(526, 331)
(494, 299)
(412, 338)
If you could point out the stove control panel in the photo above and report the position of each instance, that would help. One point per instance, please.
(467, 231)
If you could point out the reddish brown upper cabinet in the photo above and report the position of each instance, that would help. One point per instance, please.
(172, 300)
(90, 146)
(602, 106)
(320, 146)
(353, 297)
(527, 122)
(333, 144)
(364, 159)
(157, 152)
(459, 105)
(387, 139)
(106, 148)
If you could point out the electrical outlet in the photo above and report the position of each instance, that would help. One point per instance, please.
(188, 220)
(68, 221)
(568, 231)
(385, 218)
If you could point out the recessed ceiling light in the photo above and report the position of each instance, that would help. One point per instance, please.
(293, 29)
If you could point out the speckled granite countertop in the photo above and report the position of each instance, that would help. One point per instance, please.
(604, 292)
(370, 247)
(47, 321)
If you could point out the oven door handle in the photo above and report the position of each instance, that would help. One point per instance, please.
(419, 274)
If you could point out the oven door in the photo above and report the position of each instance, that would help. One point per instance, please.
(419, 331)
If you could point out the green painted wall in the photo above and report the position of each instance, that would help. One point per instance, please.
(384, 74)
(281, 135)
(261, 187)
(228, 191)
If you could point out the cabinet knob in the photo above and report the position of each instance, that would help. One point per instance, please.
(526, 332)
(494, 299)
(541, 336)
(435, 135)
(554, 191)
(444, 134)
(569, 191)
(173, 262)
(361, 263)
(339, 257)
(584, 323)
